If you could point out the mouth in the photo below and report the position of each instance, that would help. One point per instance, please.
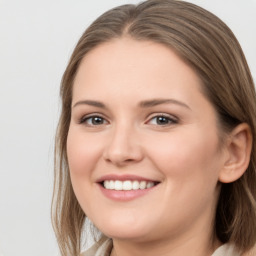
(128, 185)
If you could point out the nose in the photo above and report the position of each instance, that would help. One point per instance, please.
(123, 147)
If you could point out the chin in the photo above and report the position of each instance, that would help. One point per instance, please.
(122, 232)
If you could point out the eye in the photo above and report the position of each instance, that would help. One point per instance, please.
(162, 120)
(93, 120)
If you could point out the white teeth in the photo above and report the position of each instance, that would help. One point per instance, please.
(111, 184)
(106, 184)
(127, 184)
(118, 185)
(150, 184)
(143, 185)
(135, 185)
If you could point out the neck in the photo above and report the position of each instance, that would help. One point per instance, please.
(121, 249)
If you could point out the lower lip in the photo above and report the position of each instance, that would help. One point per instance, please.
(124, 195)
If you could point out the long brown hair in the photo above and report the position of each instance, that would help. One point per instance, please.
(205, 43)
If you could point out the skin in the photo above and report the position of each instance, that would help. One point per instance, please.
(183, 153)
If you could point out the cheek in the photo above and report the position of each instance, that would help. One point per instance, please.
(187, 155)
(190, 164)
(83, 152)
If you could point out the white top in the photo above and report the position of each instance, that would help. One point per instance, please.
(226, 250)
(104, 249)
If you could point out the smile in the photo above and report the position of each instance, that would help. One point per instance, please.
(127, 185)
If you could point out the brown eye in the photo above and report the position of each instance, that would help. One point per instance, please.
(94, 120)
(162, 120)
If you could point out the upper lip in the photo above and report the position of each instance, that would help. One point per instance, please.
(123, 178)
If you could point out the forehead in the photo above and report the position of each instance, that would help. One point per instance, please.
(126, 63)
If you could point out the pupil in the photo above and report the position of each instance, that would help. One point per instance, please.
(97, 120)
(162, 120)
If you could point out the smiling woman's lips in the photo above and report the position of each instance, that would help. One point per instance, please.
(125, 187)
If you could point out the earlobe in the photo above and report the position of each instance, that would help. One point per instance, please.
(239, 146)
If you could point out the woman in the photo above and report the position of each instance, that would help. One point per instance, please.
(155, 143)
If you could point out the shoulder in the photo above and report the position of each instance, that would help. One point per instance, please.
(101, 248)
(226, 250)
(230, 250)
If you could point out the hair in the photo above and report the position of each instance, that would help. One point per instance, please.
(210, 48)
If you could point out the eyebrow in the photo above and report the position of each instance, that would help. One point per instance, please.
(142, 104)
(155, 102)
(90, 103)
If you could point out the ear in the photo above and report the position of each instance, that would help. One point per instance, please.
(238, 146)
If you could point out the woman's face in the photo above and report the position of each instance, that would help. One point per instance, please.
(142, 128)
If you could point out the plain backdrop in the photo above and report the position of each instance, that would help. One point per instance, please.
(36, 41)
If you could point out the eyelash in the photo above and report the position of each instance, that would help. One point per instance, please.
(170, 120)
(84, 119)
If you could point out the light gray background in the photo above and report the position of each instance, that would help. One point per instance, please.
(36, 40)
